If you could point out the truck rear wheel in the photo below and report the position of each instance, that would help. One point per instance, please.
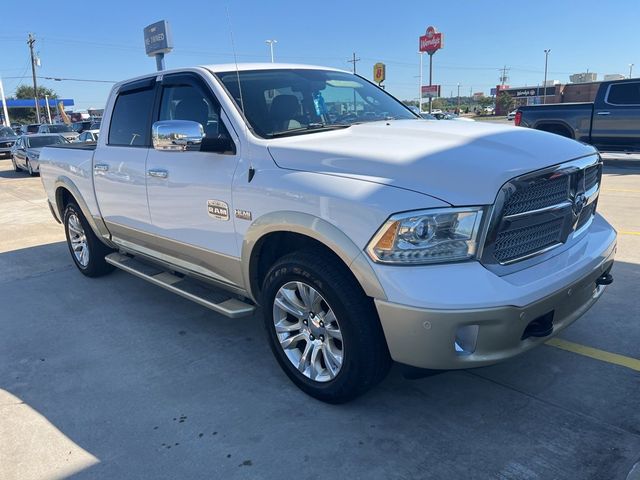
(322, 328)
(87, 251)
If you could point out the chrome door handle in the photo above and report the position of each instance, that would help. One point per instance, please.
(604, 113)
(101, 167)
(158, 173)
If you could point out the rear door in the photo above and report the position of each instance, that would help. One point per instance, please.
(616, 119)
(190, 191)
(120, 161)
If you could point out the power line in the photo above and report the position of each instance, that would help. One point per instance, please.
(61, 79)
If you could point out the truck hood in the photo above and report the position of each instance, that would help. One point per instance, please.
(462, 163)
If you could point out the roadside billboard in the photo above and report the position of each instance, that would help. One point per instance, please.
(430, 91)
(157, 38)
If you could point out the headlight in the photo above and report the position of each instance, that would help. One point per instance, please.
(427, 236)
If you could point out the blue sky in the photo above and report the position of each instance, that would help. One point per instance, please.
(103, 40)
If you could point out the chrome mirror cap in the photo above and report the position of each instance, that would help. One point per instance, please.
(177, 135)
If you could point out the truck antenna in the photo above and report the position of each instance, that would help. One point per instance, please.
(252, 170)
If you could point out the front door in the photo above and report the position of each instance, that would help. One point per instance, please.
(190, 191)
(119, 165)
(616, 120)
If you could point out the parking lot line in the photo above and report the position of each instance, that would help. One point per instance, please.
(624, 190)
(603, 356)
(628, 232)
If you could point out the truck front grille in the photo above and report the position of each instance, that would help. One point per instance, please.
(523, 241)
(541, 211)
(538, 195)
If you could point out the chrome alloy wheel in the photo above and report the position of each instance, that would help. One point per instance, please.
(78, 240)
(308, 331)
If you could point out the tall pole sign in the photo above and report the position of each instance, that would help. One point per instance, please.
(431, 42)
(158, 41)
(379, 73)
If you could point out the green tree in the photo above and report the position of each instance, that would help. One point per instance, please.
(28, 115)
(26, 91)
(505, 102)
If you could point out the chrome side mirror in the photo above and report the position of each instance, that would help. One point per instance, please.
(177, 135)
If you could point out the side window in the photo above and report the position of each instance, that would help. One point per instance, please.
(130, 118)
(624, 94)
(188, 102)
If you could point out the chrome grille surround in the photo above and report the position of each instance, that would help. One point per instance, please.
(541, 211)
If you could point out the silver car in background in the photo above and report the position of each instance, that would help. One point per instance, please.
(60, 128)
(26, 151)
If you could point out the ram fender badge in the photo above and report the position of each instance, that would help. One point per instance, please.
(243, 214)
(218, 209)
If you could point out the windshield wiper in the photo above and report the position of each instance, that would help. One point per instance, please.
(312, 127)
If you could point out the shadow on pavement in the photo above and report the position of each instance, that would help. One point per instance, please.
(157, 387)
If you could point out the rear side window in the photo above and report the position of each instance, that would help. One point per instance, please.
(130, 118)
(624, 94)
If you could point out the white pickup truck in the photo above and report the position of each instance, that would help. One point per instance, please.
(365, 233)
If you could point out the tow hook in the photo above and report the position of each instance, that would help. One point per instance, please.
(604, 279)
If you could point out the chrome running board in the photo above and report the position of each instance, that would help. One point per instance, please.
(215, 299)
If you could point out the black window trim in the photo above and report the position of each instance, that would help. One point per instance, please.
(149, 83)
(606, 97)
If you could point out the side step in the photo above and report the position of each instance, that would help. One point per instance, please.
(217, 300)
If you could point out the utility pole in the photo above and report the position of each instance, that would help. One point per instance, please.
(459, 99)
(503, 76)
(630, 69)
(30, 42)
(354, 60)
(270, 43)
(544, 85)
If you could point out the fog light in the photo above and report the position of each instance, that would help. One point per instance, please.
(466, 338)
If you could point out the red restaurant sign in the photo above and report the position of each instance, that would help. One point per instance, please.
(430, 91)
(432, 41)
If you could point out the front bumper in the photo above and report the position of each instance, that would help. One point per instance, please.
(425, 337)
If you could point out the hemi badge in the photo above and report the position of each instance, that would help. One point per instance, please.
(218, 209)
(243, 214)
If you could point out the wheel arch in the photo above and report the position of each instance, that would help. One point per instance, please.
(65, 191)
(557, 127)
(278, 233)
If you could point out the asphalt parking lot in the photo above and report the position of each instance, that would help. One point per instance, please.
(115, 378)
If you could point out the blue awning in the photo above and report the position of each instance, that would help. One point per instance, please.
(30, 102)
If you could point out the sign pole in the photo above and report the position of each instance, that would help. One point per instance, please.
(430, 77)
(7, 122)
(160, 61)
(46, 101)
(420, 85)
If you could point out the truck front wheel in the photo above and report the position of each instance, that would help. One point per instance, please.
(87, 251)
(322, 328)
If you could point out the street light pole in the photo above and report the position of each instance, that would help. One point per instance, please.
(270, 43)
(459, 99)
(544, 85)
(630, 69)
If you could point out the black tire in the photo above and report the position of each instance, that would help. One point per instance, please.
(366, 359)
(96, 265)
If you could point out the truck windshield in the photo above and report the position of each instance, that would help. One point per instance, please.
(283, 102)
